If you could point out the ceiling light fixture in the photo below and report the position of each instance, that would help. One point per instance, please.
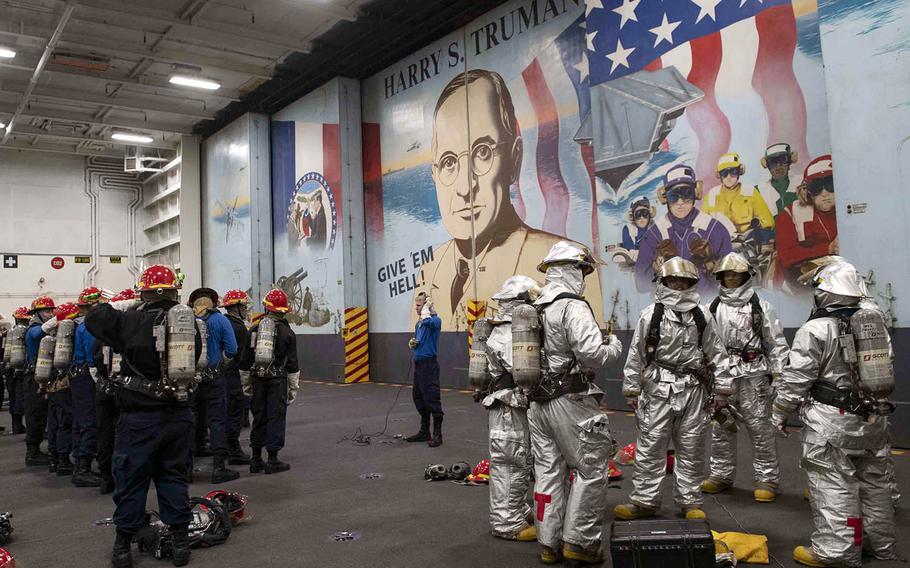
(127, 137)
(7, 53)
(195, 82)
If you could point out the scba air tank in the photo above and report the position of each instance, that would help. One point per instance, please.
(44, 365)
(526, 347)
(63, 349)
(15, 345)
(478, 371)
(873, 353)
(265, 342)
(181, 344)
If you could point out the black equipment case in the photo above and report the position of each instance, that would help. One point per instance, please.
(662, 543)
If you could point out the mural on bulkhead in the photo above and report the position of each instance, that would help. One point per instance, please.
(227, 230)
(545, 120)
(306, 212)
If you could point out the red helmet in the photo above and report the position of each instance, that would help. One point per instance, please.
(89, 296)
(235, 503)
(42, 303)
(125, 294)
(158, 277)
(481, 473)
(232, 297)
(627, 454)
(6, 559)
(21, 313)
(276, 301)
(820, 167)
(66, 311)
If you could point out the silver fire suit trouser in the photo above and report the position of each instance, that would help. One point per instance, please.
(850, 495)
(680, 417)
(570, 432)
(752, 398)
(510, 469)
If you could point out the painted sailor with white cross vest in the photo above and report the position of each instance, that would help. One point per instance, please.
(676, 362)
(757, 352)
(568, 429)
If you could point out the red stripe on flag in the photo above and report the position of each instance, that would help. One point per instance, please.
(549, 175)
(587, 154)
(372, 179)
(331, 163)
(708, 121)
(654, 65)
(774, 79)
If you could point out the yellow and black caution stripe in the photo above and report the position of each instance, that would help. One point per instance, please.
(356, 346)
(476, 310)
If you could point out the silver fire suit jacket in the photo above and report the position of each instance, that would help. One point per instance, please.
(734, 325)
(678, 348)
(570, 330)
(816, 356)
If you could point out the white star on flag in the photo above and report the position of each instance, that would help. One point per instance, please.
(590, 38)
(620, 56)
(591, 4)
(743, 2)
(627, 11)
(582, 67)
(706, 8)
(664, 31)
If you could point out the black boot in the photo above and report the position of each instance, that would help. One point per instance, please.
(203, 450)
(256, 463)
(437, 431)
(274, 465)
(424, 434)
(18, 427)
(34, 457)
(236, 456)
(181, 545)
(64, 465)
(107, 485)
(84, 476)
(220, 473)
(121, 557)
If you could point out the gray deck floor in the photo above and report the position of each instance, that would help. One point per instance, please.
(401, 520)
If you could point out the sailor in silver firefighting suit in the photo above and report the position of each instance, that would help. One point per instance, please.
(510, 436)
(568, 429)
(669, 380)
(757, 351)
(844, 454)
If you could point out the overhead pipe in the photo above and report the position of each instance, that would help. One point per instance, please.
(39, 69)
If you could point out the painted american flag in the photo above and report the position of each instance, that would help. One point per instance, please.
(713, 43)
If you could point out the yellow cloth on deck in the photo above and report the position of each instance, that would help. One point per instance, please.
(752, 548)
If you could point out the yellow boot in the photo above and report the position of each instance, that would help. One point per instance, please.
(631, 511)
(715, 485)
(526, 534)
(804, 555)
(591, 555)
(549, 555)
(765, 492)
(693, 512)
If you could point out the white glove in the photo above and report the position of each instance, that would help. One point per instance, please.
(94, 373)
(293, 386)
(49, 326)
(412, 343)
(428, 309)
(247, 383)
(125, 305)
